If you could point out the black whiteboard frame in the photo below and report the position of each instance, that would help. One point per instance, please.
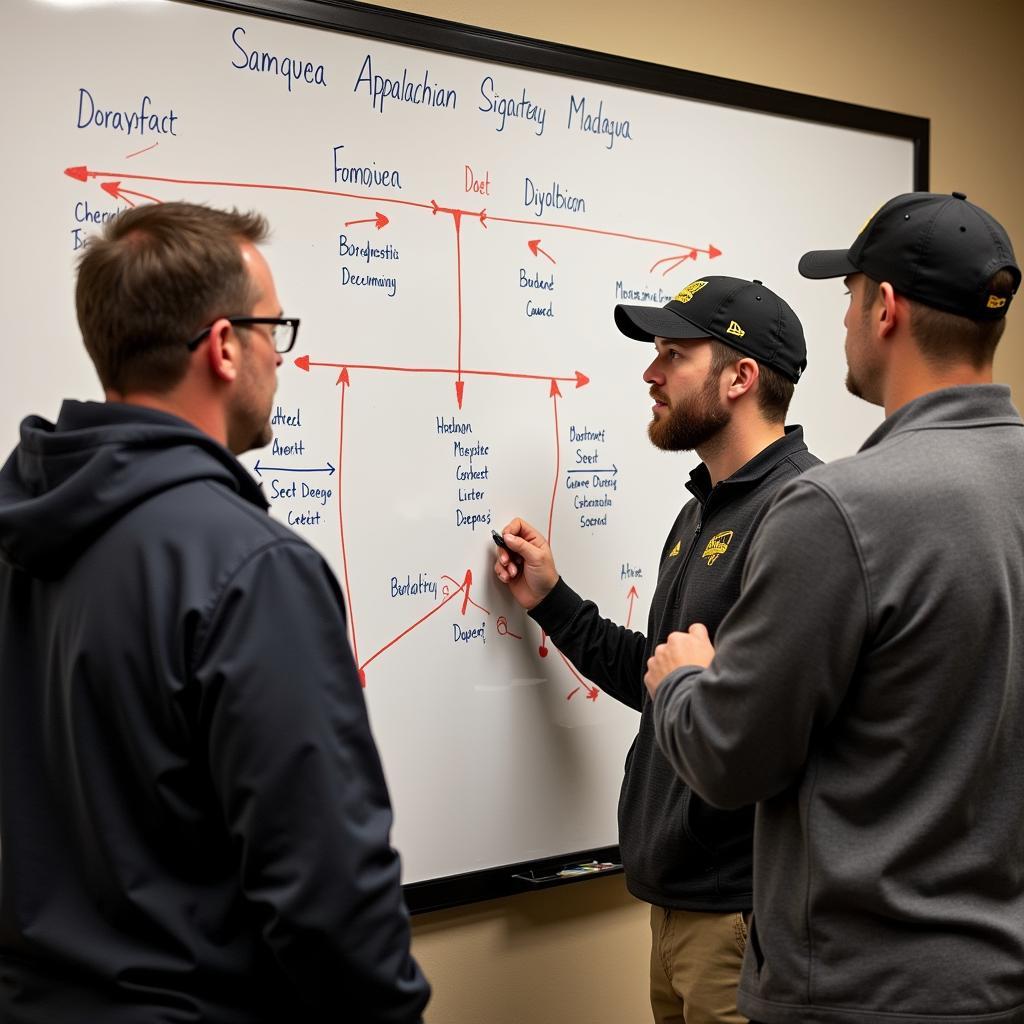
(571, 62)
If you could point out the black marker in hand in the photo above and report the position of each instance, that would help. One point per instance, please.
(500, 541)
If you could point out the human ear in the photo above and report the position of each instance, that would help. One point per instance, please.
(742, 376)
(886, 315)
(223, 350)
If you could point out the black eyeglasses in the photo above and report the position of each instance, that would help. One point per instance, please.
(283, 330)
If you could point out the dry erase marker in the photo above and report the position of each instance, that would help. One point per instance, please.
(500, 541)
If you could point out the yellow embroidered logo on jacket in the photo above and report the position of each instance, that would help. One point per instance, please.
(717, 546)
(689, 291)
(734, 328)
(675, 551)
(996, 302)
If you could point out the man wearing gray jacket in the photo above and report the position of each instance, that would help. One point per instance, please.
(867, 689)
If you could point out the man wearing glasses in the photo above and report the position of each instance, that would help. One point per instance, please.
(194, 824)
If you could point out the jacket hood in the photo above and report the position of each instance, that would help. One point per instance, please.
(68, 482)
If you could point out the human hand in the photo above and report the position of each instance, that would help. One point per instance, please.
(690, 648)
(528, 567)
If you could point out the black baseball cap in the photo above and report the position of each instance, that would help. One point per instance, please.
(940, 250)
(743, 314)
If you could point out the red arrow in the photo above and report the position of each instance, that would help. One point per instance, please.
(83, 174)
(535, 248)
(460, 384)
(433, 611)
(674, 261)
(380, 220)
(342, 377)
(341, 525)
(554, 394)
(677, 259)
(632, 595)
(592, 691)
(578, 379)
(114, 188)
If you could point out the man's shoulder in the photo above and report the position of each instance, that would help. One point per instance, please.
(209, 515)
(795, 464)
(791, 466)
(856, 486)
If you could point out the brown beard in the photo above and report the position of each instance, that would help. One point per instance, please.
(691, 424)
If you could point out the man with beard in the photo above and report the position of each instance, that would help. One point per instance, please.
(868, 689)
(728, 353)
(194, 823)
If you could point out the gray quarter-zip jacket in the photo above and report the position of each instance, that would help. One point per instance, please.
(868, 691)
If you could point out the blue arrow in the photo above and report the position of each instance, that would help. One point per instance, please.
(260, 470)
(614, 470)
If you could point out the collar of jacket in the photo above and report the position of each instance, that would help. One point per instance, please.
(964, 405)
(750, 473)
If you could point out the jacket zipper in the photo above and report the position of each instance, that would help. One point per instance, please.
(681, 577)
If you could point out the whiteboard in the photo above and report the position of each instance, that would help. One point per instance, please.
(454, 233)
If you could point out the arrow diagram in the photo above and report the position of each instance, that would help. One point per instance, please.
(614, 470)
(114, 188)
(260, 470)
(632, 595)
(535, 249)
(380, 220)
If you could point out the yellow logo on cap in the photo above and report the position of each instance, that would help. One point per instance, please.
(689, 291)
(734, 328)
(867, 222)
(675, 551)
(996, 302)
(718, 545)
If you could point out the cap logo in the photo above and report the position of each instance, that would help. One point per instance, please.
(734, 328)
(996, 302)
(689, 291)
(867, 222)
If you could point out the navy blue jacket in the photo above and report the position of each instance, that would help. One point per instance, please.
(194, 824)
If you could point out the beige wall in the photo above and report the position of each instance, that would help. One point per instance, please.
(578, 955)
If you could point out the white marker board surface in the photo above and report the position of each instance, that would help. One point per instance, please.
(454, 232)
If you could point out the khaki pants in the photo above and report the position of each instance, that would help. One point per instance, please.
(695, 966)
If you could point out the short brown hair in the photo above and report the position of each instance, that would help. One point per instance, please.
(945, 338)
(774, 392)
(156, 277)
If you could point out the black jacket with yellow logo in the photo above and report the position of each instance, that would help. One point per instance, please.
(678, 851)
